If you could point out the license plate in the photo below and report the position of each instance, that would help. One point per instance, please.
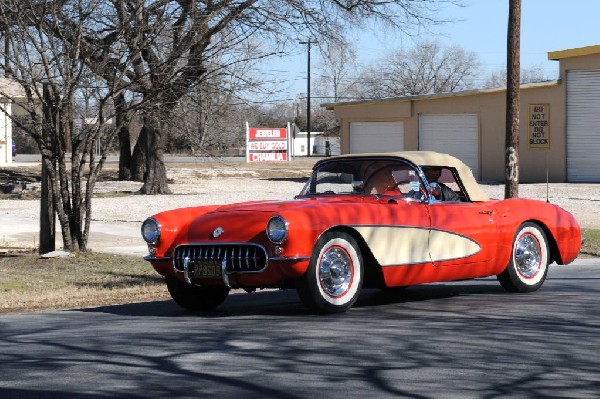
(207, 270)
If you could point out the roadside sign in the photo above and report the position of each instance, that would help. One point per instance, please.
(539, 126)
(267, 144)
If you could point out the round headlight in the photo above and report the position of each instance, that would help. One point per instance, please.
(277, 229)
(151, 231)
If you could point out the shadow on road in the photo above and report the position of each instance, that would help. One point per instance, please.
(455, 340)
(15, 393)
(287, 303)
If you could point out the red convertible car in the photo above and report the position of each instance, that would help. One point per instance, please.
(369, 220)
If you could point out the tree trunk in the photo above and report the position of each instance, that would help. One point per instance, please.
(122, 124)
(513, 100)
(155, 178)
(47, 209)
(138, 160)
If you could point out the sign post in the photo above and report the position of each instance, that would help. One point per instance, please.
(290, 142)
(247, 142)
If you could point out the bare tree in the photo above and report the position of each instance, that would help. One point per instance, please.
(171, 42)
(149, 54)
(429, 67)
(210, 118)
(532, 74)
(156, 51)
(47, 67)
(336, 71)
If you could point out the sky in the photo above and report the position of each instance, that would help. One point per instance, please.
(479, 27)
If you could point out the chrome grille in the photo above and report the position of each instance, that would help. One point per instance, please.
(239, 258)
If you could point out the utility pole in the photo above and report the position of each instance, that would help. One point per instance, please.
(308, 42)
(513, 100)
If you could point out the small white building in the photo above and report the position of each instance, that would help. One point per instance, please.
(10, 93)
(321, 145)
(5, 133)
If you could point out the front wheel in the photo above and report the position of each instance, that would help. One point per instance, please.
(334, 277)
(194, 297)
(528, 265)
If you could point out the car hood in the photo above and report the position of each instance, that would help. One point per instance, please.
(306, 202)
(247, 221)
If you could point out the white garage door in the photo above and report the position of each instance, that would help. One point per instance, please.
(454, 134)
(376, 137)
(583, 126)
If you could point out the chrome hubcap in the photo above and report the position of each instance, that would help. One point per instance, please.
(335, 271)
(528, 255)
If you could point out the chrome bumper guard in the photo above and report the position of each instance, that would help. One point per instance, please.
(231, 258)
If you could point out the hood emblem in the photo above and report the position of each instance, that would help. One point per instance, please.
(218, 232)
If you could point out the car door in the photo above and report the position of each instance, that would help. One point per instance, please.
(463, 233)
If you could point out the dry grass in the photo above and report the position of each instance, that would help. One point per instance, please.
(592, 242)
(28, 283)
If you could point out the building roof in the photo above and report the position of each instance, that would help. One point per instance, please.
(434, 96)
(553, 55)
(10, 88)
(573, 52)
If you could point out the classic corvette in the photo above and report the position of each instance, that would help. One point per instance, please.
(369, 220)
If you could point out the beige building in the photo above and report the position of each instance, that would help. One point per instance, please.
(560, 124)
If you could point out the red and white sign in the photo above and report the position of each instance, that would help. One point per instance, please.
(267, 156)
(267, 145)
(264, 144)
(257, 133)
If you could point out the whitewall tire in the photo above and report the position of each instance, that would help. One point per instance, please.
(334, 277)
(528, 264)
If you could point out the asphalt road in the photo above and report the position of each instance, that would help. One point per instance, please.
(36, 158)
(458, 340)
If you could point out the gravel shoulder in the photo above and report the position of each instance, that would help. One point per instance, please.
(116, 219)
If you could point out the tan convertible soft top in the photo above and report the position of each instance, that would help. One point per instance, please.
(430, 158)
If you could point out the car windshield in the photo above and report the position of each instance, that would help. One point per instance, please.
(363, 176)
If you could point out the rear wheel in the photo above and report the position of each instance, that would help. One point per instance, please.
(528, 265)
(195, 297)
(334, 277)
